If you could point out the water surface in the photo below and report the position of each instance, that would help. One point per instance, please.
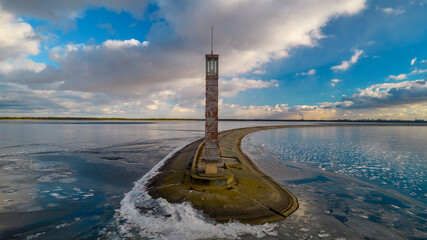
(76, 179)
(352, 182)
(67, 178)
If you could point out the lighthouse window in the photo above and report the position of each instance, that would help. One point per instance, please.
(212, 67)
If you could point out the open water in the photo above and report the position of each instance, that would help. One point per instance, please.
(85, 180)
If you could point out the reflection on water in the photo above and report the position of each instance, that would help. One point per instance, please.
(351, 182)
(392, 157)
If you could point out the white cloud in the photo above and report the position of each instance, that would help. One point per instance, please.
(258, 71)
(308, 73)
(399, 77)
(311, 72)
(235, 85)
(413, 61)
(278, 111)
(124, 44)
(17, 41)
(153, 106)
(334, 82)
(392, 11)
(346, 64)
(21, 65)
(17, 38)
(418, 71)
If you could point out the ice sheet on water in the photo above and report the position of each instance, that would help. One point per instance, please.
(57, 195)
(140, 215)
(377, 155)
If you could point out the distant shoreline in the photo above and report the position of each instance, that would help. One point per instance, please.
(195, 119)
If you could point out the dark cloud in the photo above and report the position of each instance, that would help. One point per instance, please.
(66, 10)
(20, 105)
(28, 77)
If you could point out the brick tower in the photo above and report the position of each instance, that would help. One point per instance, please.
(211, 113)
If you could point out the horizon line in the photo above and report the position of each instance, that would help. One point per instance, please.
(202, 119)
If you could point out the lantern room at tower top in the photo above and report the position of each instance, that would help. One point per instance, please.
(212, 65)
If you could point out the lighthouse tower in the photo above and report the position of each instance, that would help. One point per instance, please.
(211, 113)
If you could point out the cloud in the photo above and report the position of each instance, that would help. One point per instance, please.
(19, 100)
(107, 26)
(65, 11)
(21, 65)
(235, 85)
(334, 82)
(116, 44)
(399, 77)
(258, 71)
(173, 51)
(278, 111)
(17, 41)
(191, 93)
(308, 73)
(413, 61)
(392, 11)
(416, 111)
(17, 38)
(377, 101)
(123, 67)
(247, 43)
(24, 101)
(386, 95)
(164, 73)
(346, 64)
(418, 71)
(73, 103)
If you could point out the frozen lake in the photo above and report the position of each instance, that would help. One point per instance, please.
(391, 157)
(69, 178)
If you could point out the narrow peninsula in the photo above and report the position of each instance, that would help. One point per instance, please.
(243, 192)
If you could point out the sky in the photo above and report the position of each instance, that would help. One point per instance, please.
(278, 59)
